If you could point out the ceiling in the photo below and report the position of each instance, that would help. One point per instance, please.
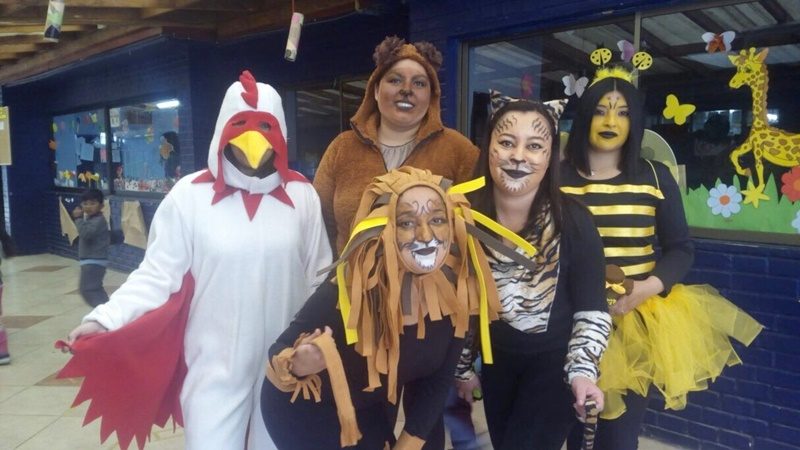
(91, 27)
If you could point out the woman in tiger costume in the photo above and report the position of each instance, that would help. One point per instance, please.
(554, 322)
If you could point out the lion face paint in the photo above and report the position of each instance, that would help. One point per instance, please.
(519, 154)
(423, 229)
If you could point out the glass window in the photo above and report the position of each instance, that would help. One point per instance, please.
(320, 115)
(541, 67)
(740, 147)
(79, 142)
(737, 147)
(145, 148)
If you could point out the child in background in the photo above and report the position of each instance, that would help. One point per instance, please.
(92, 246)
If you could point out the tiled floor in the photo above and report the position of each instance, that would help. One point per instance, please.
(40, 306)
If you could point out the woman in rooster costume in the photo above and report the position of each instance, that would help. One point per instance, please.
(233, 253)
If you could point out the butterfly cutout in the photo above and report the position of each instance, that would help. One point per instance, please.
(627, 50)
(675, 110)
(574, 86)
(719, 42)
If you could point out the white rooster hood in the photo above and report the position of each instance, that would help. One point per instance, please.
(251, 113)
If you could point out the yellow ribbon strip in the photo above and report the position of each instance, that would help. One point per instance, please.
(484, 220)
(486, 346)
(467, 186)
(351, 334)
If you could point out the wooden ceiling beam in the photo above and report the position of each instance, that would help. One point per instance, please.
(221, 5)
(12, 8)
(90, 45)
(23, 39)
(29, 29)
(279, 16)
(124, 16)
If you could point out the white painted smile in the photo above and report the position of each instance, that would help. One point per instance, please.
(425, 253)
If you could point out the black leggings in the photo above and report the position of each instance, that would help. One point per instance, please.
(621, 433)
(528, 404)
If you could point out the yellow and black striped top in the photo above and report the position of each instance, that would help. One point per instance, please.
(636, 216)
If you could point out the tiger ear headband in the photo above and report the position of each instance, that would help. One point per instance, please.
(641, 61)
(497, 101)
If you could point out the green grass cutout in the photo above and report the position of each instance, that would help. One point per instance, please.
(774, 215)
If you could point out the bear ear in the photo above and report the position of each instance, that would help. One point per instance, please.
(431, 53)
(614, 274)
(386, 49)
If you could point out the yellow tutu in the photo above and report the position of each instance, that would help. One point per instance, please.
(676, 343)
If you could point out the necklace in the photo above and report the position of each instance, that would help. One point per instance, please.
(386, 146)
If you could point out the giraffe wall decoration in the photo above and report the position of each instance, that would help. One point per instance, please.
(766, 142)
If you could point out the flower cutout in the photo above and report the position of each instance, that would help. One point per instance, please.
(724, 200)
(796, 222)
(791, 184)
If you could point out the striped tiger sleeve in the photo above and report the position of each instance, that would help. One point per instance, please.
(590, 332)
(465, 368)
(591, 323)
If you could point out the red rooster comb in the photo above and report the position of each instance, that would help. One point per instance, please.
(250, 94)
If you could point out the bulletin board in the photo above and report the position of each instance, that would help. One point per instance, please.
(5, 137)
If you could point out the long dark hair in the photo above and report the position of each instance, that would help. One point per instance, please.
(577, 148)
(548, 194)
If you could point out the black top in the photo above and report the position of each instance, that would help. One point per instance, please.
(425, 368)
(636, 214)
(580, 287)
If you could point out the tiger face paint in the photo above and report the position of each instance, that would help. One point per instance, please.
(423, 229)
(519, 153)
(611, 123)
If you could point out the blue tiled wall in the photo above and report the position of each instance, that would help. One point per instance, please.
(753, 405)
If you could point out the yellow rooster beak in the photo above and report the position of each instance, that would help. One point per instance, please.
(253, 145)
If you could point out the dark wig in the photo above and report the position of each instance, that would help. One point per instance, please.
(92, 194)
(577, 148)
(548, 193)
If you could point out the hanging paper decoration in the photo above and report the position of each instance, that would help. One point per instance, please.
(718, 42)
(574, 86)
(55, 15)
(52, 144)
(68, 227)
(55, 128)
(89, 177)
(675, 110)
(626, 49)
(93, 117)
(294, 36)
